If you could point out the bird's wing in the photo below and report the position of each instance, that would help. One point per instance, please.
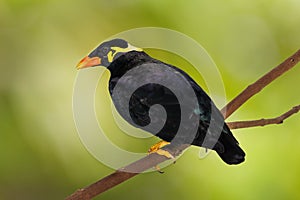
(209, 115)
(160, 82)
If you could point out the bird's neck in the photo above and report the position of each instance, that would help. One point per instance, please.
(126, 62)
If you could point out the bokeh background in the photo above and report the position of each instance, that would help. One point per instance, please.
(42, 41)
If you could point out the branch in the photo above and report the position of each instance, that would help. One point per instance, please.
(261, 83)
(125, 173)
(153, 160)
(263, 122)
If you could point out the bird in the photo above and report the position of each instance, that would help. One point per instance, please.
(120, 58)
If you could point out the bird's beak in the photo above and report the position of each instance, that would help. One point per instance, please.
(88, 62)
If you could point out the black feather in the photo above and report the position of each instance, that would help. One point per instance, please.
(150, 94)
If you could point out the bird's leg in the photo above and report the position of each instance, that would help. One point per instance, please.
(156, 148)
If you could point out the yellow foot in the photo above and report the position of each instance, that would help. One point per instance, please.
(156, 148)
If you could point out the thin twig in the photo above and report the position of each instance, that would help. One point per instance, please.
(263, 122)
(152, 160)
(260, 84)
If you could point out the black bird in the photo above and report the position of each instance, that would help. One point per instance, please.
(120, 58)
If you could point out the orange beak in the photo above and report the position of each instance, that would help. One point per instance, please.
(88, 62)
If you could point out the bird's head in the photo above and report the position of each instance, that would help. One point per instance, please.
(106, 53)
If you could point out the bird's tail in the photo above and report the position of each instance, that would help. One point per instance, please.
(229, 150)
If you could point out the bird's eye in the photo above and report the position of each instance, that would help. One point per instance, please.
(104, 50)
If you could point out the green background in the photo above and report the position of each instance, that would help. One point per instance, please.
(42, 41)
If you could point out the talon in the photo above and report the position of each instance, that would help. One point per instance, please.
(156, 148)
(165, 153)
(157, 168)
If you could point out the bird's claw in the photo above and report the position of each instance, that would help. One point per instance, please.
(156, 148)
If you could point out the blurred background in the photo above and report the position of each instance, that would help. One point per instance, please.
(42, 41)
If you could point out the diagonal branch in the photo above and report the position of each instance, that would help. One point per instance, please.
(124, 174)
(152, 160)
(263, 122)
(261, 83)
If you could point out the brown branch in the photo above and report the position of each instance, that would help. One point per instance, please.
(260, 84)
(152, 160)
(263, 122)
(124, 174)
